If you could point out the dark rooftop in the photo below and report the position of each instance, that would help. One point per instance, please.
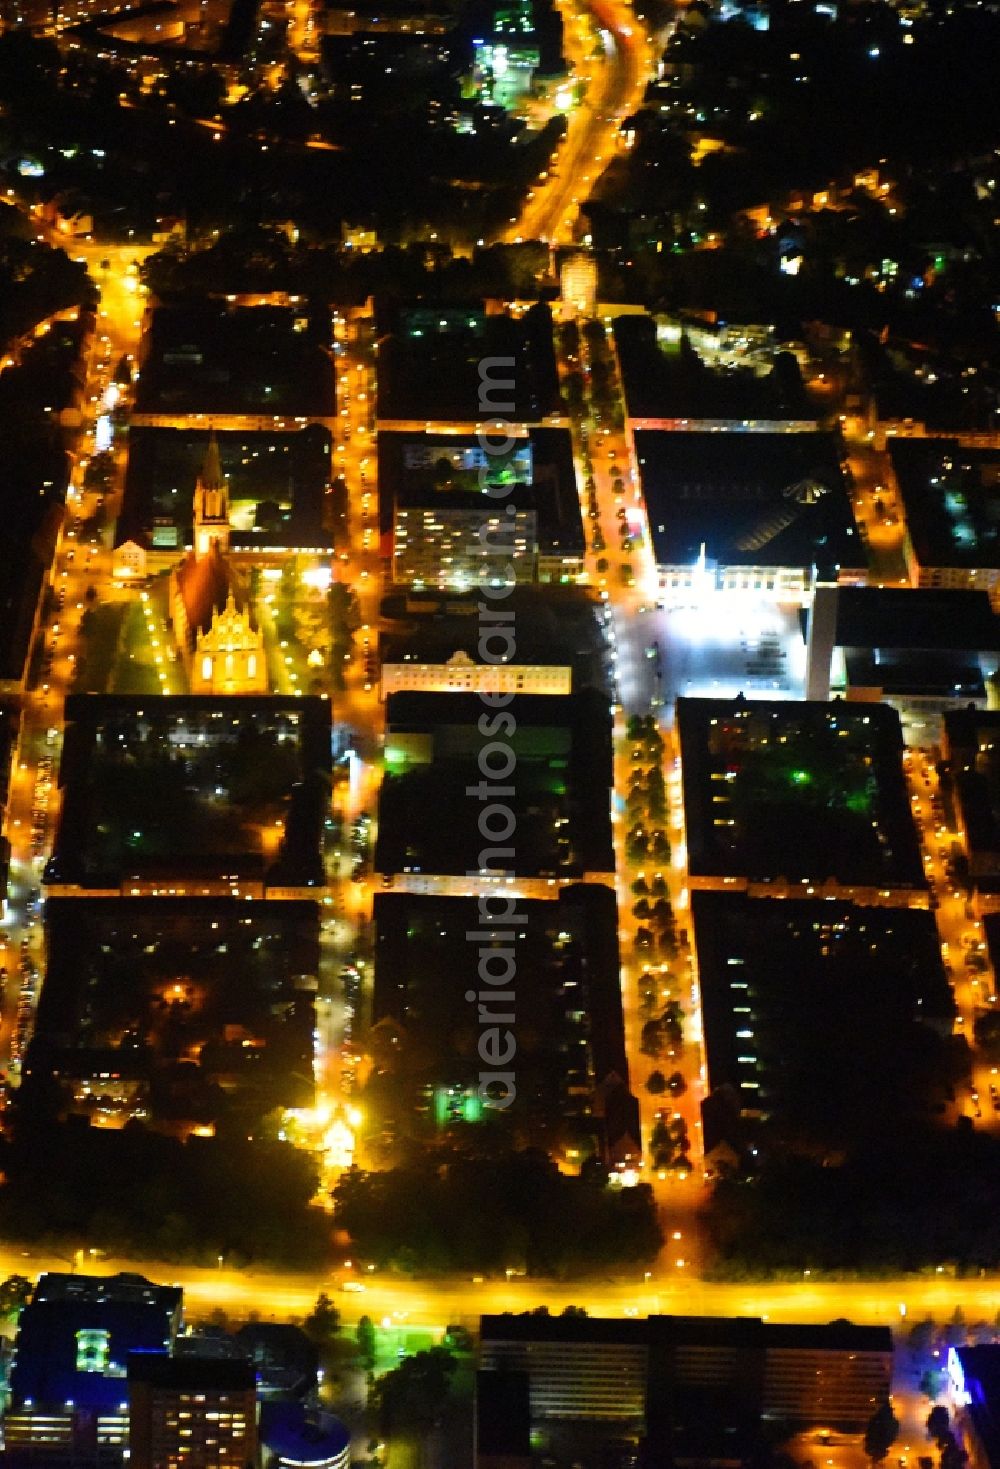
(187, 784)
(28, 531)
(735, 1331)
(536, 1326)
(901, 674)
(438, 712)
(283, 1356)
(372, 59)
(297, 1436)
(943, 397)
(213, 358)
(750, 499)
(503, 1414)
(124, 1288)
(121, 1314)
(429, 361)
(673, 381)
(10, 719)
(563, 750)
(823, 1019)
(569, 996)
(46, 378)
(806, 791)
(132, 985)
(418, 10)
(951, 501)
(190, 1373)
(972, 738)
(916, 642)
(832, 1336)
(209, 1341)
(919, 619)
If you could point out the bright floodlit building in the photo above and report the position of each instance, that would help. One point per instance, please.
(578, 283)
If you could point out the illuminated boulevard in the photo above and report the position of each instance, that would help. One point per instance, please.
(435, 1303)
(626, 60)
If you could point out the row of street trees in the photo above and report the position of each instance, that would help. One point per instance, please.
(345, 619)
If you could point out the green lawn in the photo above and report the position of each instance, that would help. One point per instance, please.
(99, 647)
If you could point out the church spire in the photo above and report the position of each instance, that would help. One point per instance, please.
(211, 475)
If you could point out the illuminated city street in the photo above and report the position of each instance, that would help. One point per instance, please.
(619, 69)
(500, 632)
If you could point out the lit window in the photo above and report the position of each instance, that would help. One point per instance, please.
(92, 1350)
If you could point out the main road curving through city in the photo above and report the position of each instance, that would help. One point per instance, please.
(618, 75)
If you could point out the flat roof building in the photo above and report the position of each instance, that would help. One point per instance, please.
(822, 1021)
(192, 1411)
(683, 1389)
(28, 538)
(284, 1358)
(797, 799)
(192, 796)
(762, 512)
(951, 506)
(669, 384)
(459, 673)
(210, 362)
(566, 993)
(9, 725)
(228, 985)
(974, 1394)
(922, 391)
(971, 748)
(922, 651)
(561, 798)
(433, 646)
(68, 1384)
(294, 1437)
(464, 365)
(76, 1332)
(445, 509)
(276, 482)
(421, 17)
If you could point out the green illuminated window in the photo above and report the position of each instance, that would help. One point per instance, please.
(92, 1350)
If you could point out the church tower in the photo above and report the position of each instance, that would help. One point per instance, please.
(220, 643)
(211, 503)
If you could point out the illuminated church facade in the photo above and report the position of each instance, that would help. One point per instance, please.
(217, 634)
